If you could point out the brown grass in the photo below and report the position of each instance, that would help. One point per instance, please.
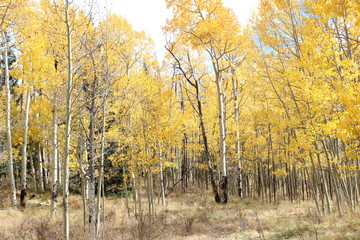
(186, 216)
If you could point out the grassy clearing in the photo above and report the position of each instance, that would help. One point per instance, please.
(186, 216)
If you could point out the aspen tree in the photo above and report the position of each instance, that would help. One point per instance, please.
(55, 161)
(213, 29)
(5, 46)
(24, 153)
(10, 15)
(69, 102)
(194, 81)
(106, 86)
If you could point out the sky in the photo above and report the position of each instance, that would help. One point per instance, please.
(150, 15)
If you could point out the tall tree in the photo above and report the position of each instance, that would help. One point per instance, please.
(5, 46)
(212, 28)
(24, 152)
(194, 76)
(69, 101)
(10, 13)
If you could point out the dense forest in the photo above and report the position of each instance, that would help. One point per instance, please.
(268, 111)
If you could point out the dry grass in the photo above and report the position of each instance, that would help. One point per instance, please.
(189, 216)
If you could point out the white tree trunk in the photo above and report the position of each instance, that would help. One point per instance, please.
(135, 194)
(92, 210)
(24, 153)
(40, 169)
(222, 135)
(32, 167)
(82, 158)
(162, 183)
(101, 176)
(237, 133)
(45, 166)
(68, 125)
(55, 164)
(59, 166)
(8, 118)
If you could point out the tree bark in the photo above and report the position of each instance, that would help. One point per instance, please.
(40, 168)
(66, 171)
(45, 166)
(323, 180)
(237, 134)
(162, 181)
(101, 176)
(55, 163)
(222, 134)
(82, 158)
(184, 164)
(92, 217)
(8, 119)
(32, 167)
(24, 154)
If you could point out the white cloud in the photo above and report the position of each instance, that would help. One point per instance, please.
(150, 15)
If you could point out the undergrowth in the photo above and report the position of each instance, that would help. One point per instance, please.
(186, 216)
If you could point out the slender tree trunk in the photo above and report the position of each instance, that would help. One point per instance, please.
(8, 119)
(32, 167)
(103, 202)
(206, 146)
(184, 164)
(59, 171)
(237, 134)
(314, 184)
(45, 166)
(83, 196)
(150, 189)
(92, 217)
(55, 163)
(24, 153)
(221, 112)
(336, 187)
(198, 108)
(139, 203)
(82, 158)
(40, 168)
(66, 171)
(323, 180)
(101, 176)
(135, 195)
(162, 182)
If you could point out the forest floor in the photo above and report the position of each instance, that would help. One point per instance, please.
(192, 215)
